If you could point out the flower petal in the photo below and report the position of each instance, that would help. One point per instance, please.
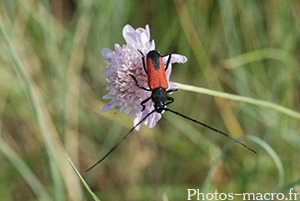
(132, 113)
(137, 119)
(175, 58)
(172, 86)
(109, 106)
(144, 37)
(105, 72)
(168, 72)
(107, 96)
(129, 34)
(107, 54)
(152, 119)
(147, 31)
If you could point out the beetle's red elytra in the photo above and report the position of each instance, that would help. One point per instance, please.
(156, 71)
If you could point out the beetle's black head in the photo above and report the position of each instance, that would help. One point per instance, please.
(159, 97)
(153, 54)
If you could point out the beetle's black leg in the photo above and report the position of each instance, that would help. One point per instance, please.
(143, 103)
(138, 85)
(171, 90)
(168, 62)
(143, 60)
(170, 99)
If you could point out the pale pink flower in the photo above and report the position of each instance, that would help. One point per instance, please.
(123, 93)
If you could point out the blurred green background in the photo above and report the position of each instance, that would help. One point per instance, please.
(51, 88)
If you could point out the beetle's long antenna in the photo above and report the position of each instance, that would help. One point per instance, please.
(112, 149)
(198, 122)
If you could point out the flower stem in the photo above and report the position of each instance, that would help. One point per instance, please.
(244, 99)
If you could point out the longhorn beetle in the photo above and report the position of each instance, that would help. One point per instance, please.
(158, 86)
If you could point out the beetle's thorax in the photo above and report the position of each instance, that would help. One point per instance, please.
(159, 97)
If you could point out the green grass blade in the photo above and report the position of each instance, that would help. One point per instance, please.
(25, 171)
(82, 180)
(274, 156)
(35, 100)
(258, 141)
(258, 55)
(210, 174)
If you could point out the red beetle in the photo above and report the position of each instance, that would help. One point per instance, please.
(157, 81)
(158, 85)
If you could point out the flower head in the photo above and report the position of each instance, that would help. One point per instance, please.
(123, 93)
